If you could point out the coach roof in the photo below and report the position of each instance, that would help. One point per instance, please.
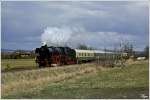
(84, 51)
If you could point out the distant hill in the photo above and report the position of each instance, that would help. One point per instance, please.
(11, 50)
(7, 50)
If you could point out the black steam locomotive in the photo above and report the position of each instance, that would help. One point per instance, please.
(51, 56)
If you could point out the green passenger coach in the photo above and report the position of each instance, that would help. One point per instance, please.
(84, 55)
(91, 55)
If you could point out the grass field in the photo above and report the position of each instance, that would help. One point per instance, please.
(78, 81)
(17, 64)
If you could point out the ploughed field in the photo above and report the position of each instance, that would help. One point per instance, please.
(74, 81)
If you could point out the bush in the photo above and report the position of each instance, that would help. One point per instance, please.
(8, 67)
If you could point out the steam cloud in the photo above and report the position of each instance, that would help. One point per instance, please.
(73, 36)
(54, 36)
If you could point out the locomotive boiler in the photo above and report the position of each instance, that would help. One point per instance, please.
(51, 56)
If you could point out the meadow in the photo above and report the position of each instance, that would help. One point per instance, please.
(78, 81)
(17, 64)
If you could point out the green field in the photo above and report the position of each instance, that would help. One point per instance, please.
(17, 64)
(78, 81)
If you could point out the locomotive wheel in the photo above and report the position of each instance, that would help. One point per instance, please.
(40, 66)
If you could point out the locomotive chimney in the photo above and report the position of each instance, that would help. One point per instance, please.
(43, 43)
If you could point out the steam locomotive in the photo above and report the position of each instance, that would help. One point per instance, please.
(51, 56)
(57, 56)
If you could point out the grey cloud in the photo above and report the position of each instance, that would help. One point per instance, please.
(25, 21)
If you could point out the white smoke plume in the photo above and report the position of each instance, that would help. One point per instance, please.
(73, 36)
(54, 36)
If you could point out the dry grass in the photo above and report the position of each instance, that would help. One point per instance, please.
(28, 80)
(131, 61)
(77, 81)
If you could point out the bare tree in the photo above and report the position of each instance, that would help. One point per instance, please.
(128, 48)
(84, 47)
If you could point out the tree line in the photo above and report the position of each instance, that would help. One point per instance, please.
(126, 47)
(18, 54)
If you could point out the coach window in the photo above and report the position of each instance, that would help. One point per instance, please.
(79, 54)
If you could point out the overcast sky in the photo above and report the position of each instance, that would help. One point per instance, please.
(98, 24)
